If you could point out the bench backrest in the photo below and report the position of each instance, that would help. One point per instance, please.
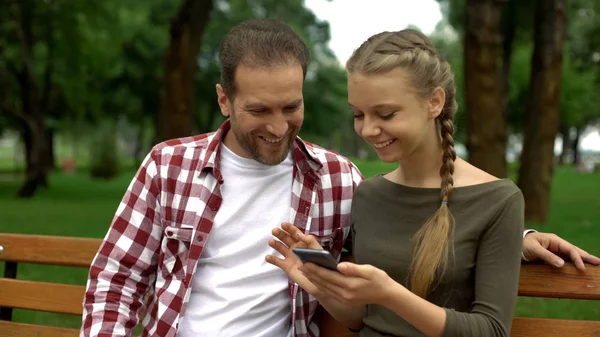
(41, 296)
(537, 280)
(542, 280)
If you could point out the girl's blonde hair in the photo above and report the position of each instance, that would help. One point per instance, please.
(412, 51)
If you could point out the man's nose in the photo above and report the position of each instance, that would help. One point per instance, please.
(278, 126)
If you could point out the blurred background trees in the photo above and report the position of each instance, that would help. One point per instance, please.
(95, 85)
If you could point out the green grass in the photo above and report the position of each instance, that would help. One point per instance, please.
(75, 205)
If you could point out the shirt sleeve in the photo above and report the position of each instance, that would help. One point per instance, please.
(124, 265)
(527, 231)
(357, 178)
(497, 270)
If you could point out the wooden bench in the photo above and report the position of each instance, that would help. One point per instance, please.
(41, 296)
(537, 280)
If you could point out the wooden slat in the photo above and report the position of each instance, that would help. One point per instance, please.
(54, 250)
(12, 329)
(41, 296)
(527, 327)
(522, 327)
(542, 280)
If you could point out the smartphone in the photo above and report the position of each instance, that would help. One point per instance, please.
(317, 256)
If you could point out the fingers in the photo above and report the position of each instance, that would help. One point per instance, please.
(589, 258)
(558, 245)
(577, 255)
(323, 283)
(544, 246)
(547, 256)
(298, 235)
(280, 248)
(566, 248)
(580, 257)
(327, 276)
(284, 237)
(576, 258)
(276, 262)
(289, 259)
(351, 269)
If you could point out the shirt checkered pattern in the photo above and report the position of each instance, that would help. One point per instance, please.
(149, 255)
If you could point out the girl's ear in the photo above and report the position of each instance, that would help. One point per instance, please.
(436, 102)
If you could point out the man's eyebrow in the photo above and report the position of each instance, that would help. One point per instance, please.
(297, 102)
(254, 106)
(258, 106)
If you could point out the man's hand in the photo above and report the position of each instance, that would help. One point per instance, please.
(544, 246)
(290, 237)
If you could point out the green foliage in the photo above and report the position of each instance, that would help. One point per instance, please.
(579, 101)
(104, 152)
(447, 42)
(519, 80)
(583, 33)
(107, 58)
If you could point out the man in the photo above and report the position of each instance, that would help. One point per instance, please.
(189, 239)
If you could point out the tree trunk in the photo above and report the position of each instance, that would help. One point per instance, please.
(177, 106)
(37, 168)
(508, 36)
(51, 160)
(575, 146)
(32, 111)
(566, 143)
(486, 125)
(542, 117)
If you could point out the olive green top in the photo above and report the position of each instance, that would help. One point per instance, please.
(479, 289)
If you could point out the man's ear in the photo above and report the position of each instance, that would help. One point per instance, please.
(436, 102)
(223, 101)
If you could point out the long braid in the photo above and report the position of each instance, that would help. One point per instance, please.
(446, 125)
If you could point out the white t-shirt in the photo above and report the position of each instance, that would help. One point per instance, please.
(235, 292)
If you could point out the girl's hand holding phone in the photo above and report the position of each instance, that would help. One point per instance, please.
(353, 285)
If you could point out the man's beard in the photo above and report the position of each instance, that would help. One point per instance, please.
(250, 146)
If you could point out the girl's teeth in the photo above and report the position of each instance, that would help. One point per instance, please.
(384, 144)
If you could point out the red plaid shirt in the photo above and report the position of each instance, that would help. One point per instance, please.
(151, 251)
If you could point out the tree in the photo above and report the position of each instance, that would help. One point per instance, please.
(34, 97)
(177, 104)
(543, 111)
(486, 125)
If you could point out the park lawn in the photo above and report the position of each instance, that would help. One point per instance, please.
(75, 205)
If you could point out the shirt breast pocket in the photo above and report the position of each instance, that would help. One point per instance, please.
(332, 242)
(175, 248)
